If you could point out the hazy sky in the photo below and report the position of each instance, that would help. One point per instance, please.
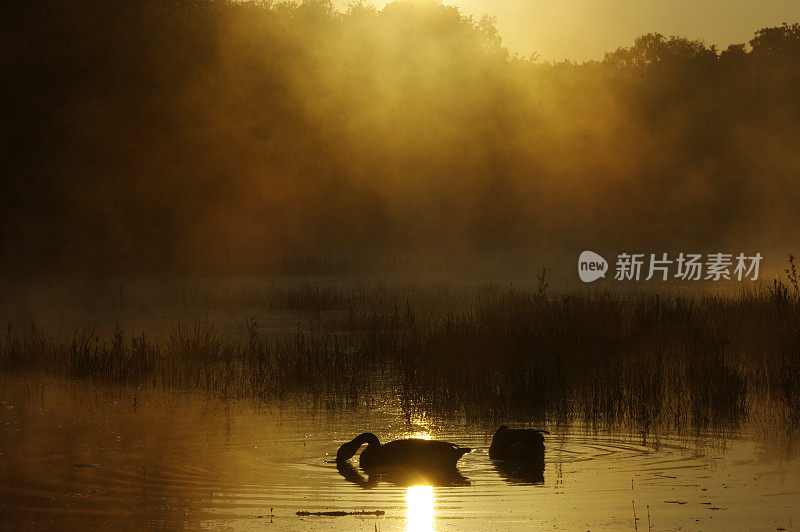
(585, 29)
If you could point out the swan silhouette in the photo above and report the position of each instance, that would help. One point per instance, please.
(402, 477)
(518, 455)
(515, 472)
(401, 455)
(518, 445)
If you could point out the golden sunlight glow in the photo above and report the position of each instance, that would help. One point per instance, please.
(419, 513)
(569, 29)
(420, 428)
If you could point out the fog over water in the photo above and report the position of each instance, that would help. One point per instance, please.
(214, 136)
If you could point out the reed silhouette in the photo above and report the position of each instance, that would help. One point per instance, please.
(644, 360)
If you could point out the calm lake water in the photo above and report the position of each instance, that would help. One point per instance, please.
(74, 456)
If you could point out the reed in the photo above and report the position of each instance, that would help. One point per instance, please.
(646, 360)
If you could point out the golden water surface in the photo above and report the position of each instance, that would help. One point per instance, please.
(76, 456)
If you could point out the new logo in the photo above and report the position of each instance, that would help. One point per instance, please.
(591, 266)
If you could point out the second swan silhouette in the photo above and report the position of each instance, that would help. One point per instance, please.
(519, 455)
(517, 444)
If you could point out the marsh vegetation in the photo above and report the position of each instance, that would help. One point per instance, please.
(646, 361)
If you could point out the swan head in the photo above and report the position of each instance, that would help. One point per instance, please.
(350, 448)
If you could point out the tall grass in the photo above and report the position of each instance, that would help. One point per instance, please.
(647, 361)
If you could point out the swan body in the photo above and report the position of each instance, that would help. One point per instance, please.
(410, 454)
(517, 444)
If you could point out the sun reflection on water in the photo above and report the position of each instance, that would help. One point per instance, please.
(419, 516)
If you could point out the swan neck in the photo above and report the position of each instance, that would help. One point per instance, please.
(368, 438)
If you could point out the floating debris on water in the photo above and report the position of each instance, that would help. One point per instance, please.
(376, 513)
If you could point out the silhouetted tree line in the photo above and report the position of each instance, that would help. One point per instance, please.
(158, 135)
